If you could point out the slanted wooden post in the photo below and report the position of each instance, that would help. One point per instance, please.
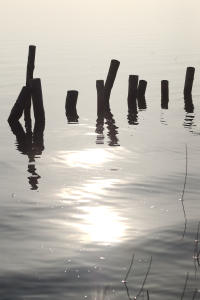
(189, 106)
(38, 107)
(189, 77)
(100, 98)
(29, 76)
(132, 94)
(141, 88)
(164, 94)
(19, 105)
(70, 106)
(114, 65)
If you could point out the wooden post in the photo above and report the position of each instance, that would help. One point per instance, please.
(29, 76)
(164, 94)
(114, 65)
(141, 88)
(189, 106)
(142, 103)
(70, 106)
(100, 98)
(132, 93)
(19, 105)
(189, 80)
(38, 108)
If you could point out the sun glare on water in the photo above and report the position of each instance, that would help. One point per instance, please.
(102, 225)
(85, 159)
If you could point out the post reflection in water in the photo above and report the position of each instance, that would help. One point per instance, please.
(99, 130)
(189, 117)
(31, 144)
(112, 130)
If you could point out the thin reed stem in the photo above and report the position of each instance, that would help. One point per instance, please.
(144, 279)
(185, 285)
(148, 295)
(129, 268)
(186, 167)
(194, 294)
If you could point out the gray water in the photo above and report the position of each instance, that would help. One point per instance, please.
(72, 219)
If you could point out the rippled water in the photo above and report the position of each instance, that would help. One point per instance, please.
(76, 203)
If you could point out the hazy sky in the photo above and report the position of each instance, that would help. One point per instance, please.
(103, 16)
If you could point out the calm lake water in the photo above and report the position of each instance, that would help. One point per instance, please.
(76, 207)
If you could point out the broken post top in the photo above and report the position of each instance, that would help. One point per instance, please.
(99, 84)
(72, 93)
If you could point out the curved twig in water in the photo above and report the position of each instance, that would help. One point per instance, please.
(185, 285)
(125, 280)
(194, 294)
(184, 193)
(196, 251)
(144, 279)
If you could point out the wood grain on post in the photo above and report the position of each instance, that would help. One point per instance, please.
(141, 88)
(114, 65)
(100, 98)
(132, 93)
(38, 107)
(29, 76)
(164, 94)
(20, 104)
(70, 106)
(189, 78)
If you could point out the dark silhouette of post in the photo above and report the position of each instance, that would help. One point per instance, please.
(189, 106)
(141, 94)
(141, 88)
(100, 99)
(114, 65)
(189, 78)
(164, 94)
(29, 76)
(38, 107)
(132, 94)
(19, 105)
(70, 106)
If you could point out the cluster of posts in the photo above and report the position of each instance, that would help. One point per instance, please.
(31, 143)
(136, 95)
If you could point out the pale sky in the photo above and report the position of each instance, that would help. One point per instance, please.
(103, 16)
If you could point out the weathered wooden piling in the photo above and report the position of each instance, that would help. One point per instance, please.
(29, 76)
(164, 94)
(17, 110)
(114, 65)
(38, 107)
(100, 98)
(189, 106)
(142, 103)
(70, 106)
(132, 93)
(141, 88)
(189, 78)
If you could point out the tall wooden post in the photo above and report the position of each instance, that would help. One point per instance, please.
(132, 94)
(100, 99)
(114, 65)
(189, 77)
(38, 107)
(29, 76)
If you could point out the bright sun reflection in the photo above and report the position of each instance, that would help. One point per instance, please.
(85, 158)
(102, 224)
